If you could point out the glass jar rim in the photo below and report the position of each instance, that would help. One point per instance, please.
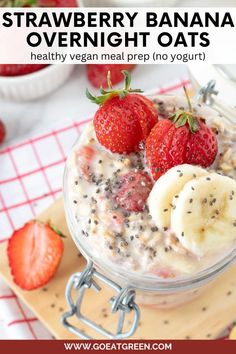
(141, 281)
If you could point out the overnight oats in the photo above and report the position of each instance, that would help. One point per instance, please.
(150, 190)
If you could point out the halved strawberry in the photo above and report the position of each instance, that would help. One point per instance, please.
(134, 189)
(34, 253)
(84, 157)
(164, 272)
(97, 73)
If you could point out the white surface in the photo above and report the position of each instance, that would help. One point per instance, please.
(69, 101)
(3, 334)
(35, 85)
(160, 3)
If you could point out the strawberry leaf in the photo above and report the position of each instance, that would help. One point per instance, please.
(123, 93)
(193, 124)
(182, 120)
(108, 94)
(18, 3)
(176, 116)
(54, 228)
(181, 117)
(102, 91)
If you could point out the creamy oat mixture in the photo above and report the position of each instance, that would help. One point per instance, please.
(132, 239)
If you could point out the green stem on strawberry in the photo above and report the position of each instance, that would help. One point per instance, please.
(109, 83)
(108, 94)
(181, 117)
(54, 228)
(188, 100)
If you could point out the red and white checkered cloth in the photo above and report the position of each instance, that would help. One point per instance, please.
(30, 180)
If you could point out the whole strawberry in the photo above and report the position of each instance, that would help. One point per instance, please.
(24, 69)
(183, 138)
(97, 73)
(124, 118)
(19, 69)
(56, 3)
(38, 3)
(2, 132)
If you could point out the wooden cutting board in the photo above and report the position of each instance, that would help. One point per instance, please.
(203, 318)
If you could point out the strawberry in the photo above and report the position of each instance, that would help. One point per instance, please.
(184, 138)
(39, 3)
(23, 69)
(97, 73)
(84, 157)
(133, 191)
(2, 132)
(57, 3)
(164, 273)
(124, 118)
(34, 253)
(19, 69)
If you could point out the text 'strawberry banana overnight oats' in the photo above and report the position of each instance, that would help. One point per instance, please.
(151, 185)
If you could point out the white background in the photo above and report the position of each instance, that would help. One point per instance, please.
(14, 48)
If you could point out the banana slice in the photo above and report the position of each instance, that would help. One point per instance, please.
(166, 189)
(204, 219)
(178, 262)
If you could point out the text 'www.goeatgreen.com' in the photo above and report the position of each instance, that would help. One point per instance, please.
(130, 346)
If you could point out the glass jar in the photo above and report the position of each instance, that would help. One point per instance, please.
(225, 77)
(148, 289)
